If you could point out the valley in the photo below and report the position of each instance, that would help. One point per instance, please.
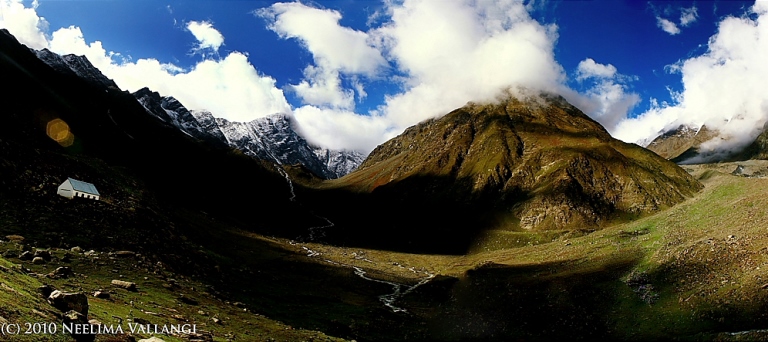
(516, 219)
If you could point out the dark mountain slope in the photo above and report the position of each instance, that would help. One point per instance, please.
(533, 164)
(111, 126)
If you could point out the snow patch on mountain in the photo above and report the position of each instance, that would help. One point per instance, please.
(271, 138)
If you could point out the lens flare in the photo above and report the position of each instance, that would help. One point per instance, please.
(58, 130)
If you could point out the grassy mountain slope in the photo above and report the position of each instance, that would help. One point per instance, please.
(520, 165)
(694, 271)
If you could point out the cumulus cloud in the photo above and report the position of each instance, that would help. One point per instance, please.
(230, 87)
(337, 51)
(722, 88)
(443, 54)
(207, 36)
(667, 26)
(23, 23)
(588, 68)
(322, 87)
(459, 51)
(337, 129)
(607, 98)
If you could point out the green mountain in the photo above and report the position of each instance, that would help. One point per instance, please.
(523, 164)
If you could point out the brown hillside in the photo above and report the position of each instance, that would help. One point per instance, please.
(681, 143)
(537, 163)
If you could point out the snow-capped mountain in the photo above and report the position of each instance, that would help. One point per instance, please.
(271, 138)
(75, 65)
(339, 163)
(170, 110)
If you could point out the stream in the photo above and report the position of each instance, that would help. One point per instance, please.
(388, 299)
(287, 179)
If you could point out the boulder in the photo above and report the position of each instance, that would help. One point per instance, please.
(15, 238)
(151, 339)
(46, 290)
(43, 253)
(187, 300)
(66, 301)
(61, 272)
(101, 294)
(75, 317)
(38, 260)
(27, 255)
(130, 286)
(125, 254)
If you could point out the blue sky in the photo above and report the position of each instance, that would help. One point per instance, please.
(355, 73)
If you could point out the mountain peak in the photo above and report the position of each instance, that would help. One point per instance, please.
(538, 159)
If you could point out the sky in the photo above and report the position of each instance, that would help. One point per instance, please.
(356, 73)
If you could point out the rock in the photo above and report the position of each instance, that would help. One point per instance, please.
(14, 238)
(101, 294)
(151, 339)
(76, 250)
(187, 300)
(46, 290)
(125, 254)
(239, 305)
(216, 320)
(61, 272)
(25, 256)
(43, 253)
(90, 253)
(38, 261)
(65, 301)
(73, 316)
(75, 319)
(124, 284)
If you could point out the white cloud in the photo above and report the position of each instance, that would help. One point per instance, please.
(445, 54)
(459, 51)
(667, 26)
(322, 87)
(338, 129)
(607, 100)
(589, 68)
(722, 88)
(337, 51)
(332, 45)
(688, 16)
(23, 23)
(207, 36)
(230, 87)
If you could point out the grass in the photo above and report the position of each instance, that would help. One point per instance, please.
(693, 271)
(701, 267)
(156, 300)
